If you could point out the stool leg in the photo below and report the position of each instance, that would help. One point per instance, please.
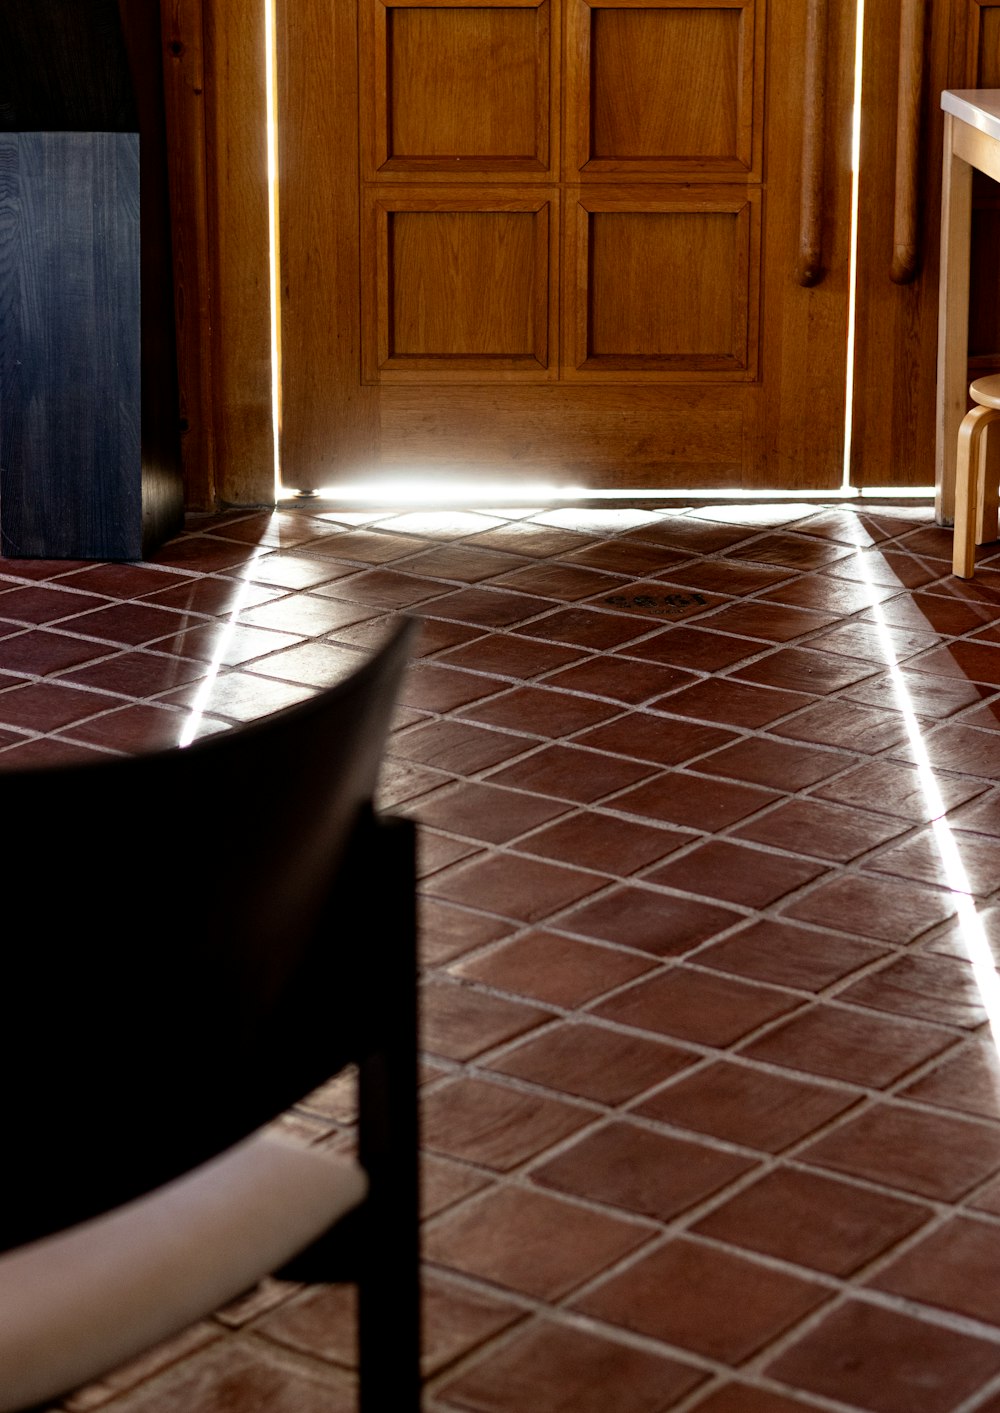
(967, 476)
(986, 492)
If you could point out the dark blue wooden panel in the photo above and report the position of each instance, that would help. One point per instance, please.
(70, 385)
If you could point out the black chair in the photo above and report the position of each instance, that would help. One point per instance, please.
(193, 940)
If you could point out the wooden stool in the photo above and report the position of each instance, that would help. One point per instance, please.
(975, 505)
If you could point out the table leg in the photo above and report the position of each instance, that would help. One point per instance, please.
(953, 318)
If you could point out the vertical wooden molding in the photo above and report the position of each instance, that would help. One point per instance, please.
(330, 429)
(237, 209)
(810, 270)
(182, 23)
(906, 215)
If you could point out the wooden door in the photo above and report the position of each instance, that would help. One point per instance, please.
(593, 242)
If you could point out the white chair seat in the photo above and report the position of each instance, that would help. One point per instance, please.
(75, 1304)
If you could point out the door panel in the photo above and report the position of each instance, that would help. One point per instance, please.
(579, 242)
(462, 286)
(701, 248)
(662, 88)
(459, 91)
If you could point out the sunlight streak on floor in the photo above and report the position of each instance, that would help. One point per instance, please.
(200, 705)
(971, 930)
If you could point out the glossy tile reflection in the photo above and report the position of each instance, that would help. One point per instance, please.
(712, 1108)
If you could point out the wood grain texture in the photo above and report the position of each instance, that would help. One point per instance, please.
(329, 424)
(495, 72)
(688, 354)
(460, 281)
(799, 434)
(665, 89)
(182, 38)
(953, 319)
(162, 479)
(909, 103)
(63, 67)
(814, 145)
(896, 351)
(70, 427)
(236, 125)
(665, 284)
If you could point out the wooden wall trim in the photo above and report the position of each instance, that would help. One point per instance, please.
(216, 98)
(184, 95)
(236, 133)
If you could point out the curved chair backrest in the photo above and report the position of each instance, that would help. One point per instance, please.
(185, 933)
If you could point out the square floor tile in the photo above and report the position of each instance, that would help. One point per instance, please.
(804, 670)
(824, 1224)
(551, 1368)
(548, 967)
(594, 1061)
(733, 873)
(893, 787)
(713, 1302)
(778, 765)
(659, 923)
(733, 703)
(839, 722)
(496, 1125)
(934, 988)
(662, 740)
(568, 773)
(821, 830)
(526, 890)
(631, 683)
(511, 656)
(873, 907)
(487, 812)
(530, 1241)
(969, 1082)
(696, 1006)
(460, 1022)
(646, 1173)
(873, 1358)
(604, 842)
(932, 1155)
(855, 1046)
(747, 1106)
(694, 649)
(784, 955)
(695, 801)
(952, 1268)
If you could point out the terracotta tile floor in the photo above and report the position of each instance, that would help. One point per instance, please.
(711, 1103)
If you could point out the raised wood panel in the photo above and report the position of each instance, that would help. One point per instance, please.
(693, 437)
(489, 67)
(661, 87)
(460, 284)
(665, 286)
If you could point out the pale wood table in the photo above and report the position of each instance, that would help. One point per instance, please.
(971, 139)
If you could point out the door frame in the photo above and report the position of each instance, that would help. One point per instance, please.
(216, 110)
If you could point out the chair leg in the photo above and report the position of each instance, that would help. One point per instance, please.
(388, 1146)
(968, 474)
